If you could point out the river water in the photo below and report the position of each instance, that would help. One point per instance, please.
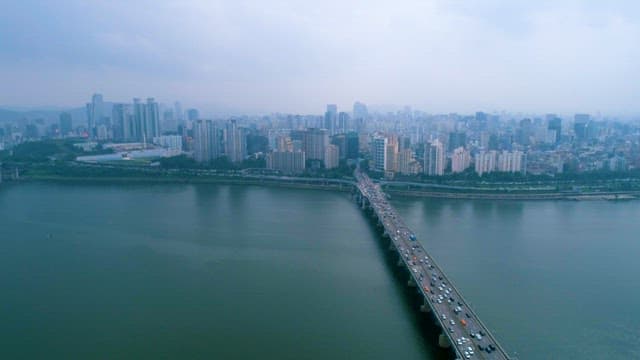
(243, 272)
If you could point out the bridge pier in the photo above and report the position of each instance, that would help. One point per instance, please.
(392, 247)
(400, 263)
(411, 282)
(425, 308)
(443, 341)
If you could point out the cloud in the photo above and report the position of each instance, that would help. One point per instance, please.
(544, 56)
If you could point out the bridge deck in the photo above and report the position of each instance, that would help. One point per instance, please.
(468, 336)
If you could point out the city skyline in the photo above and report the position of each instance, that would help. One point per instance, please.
(192, 113)
(438, 56)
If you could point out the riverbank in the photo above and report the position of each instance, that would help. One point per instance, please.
(343, 186)
(612, 196)
(300, 184)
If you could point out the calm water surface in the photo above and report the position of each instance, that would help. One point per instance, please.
(552, 279)
(235, 272)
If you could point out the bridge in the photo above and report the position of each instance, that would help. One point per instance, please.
(461, 327)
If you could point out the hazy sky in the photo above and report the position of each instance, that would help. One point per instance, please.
(297, 56)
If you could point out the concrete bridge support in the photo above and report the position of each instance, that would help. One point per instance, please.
(400, 263)
(411, 282)
(443, 341)
(425, 308)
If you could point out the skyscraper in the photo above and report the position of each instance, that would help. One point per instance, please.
(554, 123)
(66, 126)
(146, 120)
(460, 160)
(480, 122)
(524, 132)
(434, 158)
(288, 162)
(457, 139)
(139, 114)
(193, 115)
(343, 123)
(235, 142)
(283, 143)
(206, 141)
(200, 141)
(485, 162)
(315, 143)
(392, 154)
(340, 141)
(152, 120)
(360, 115)
(511, 161)
(406, 162)
(353, 146)
(331, 158)
(331, 118)
(169, 121)
(177, 112)
(581, 125)
(379, 153)
(122, 118)
(94, 114)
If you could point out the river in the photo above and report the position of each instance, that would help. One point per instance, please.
(244, 272)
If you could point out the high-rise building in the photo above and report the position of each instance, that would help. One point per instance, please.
(434, 158)
(554, 123)
(331, 118)
(511, 161)
(193, 115)
(343, 123)
(480, 122)
(315, 143)
(485, 162)
(139, 114)
(404, 142)
(201, 141)
(66, 126)
(460, 160)
(177, 112)
(102, 132)
(524, 132)
(352, 147)
(288, 162)
(457, 139)
(392, 154)
(297, 145)
(169, 121)
(170, 142)
(581, 126)
(379, 153)
(340, 141)
(407, 165)
(123, 124)
(360, 115)
(206, 141)
(283, 143)
(332, 157)
(146, 120)
(235, 142)
(94, 114)
(152, 120)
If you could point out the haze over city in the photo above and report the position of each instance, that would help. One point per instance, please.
(362, 180)
(245, 57)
